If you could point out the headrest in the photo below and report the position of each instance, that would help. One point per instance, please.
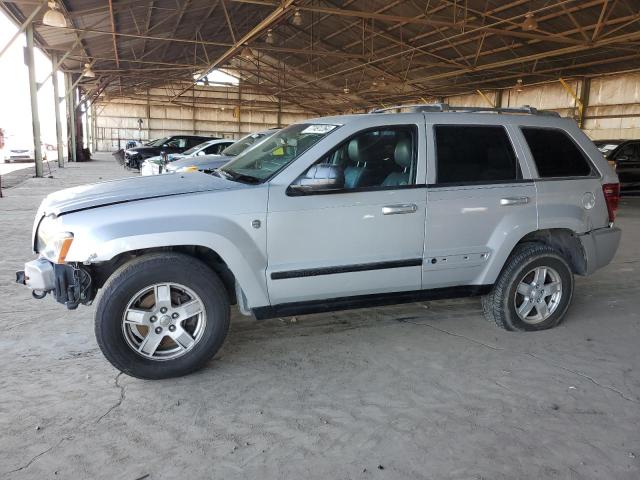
(402, 154)
(355, 150)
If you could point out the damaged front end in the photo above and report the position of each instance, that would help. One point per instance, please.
(70, 284)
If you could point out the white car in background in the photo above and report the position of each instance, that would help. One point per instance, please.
(155, 165)
(22, 152)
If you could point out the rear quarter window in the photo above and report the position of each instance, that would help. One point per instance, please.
(556, 154)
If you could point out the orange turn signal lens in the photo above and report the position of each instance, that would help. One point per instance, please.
(64, 249)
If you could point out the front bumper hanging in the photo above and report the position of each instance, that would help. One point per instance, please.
(70, 285)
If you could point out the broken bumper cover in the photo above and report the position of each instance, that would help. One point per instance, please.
(600, 246)
(64, 282)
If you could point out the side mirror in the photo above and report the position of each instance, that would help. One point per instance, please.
(200, 153)
(320, 177)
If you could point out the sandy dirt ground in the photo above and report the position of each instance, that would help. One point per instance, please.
(428, 390)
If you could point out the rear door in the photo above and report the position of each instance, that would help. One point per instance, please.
(481, 200)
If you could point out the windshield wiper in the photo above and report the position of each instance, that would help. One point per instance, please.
(238, 177)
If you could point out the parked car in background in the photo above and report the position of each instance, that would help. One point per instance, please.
(22, 152)
(328, 214)
(133, 157)
(625, 159)
(156, 165)
(607, 146)
(208, 163)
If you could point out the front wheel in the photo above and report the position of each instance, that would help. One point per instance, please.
(533, 292)
(161, 316)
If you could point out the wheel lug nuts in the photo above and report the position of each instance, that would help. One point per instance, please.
(163, 310)
(172, 328)
(175, 315)
(153, 318)
(158, 329)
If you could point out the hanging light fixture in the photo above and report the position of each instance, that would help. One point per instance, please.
(519, 85)
(297, 18)
(87, 72)
(247, 53)
(54, 17)
(529, 23)
(269, 38)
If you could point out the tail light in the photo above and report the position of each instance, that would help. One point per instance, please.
(611, 196)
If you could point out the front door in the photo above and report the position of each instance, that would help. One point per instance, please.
(364, 237)
(481, 200)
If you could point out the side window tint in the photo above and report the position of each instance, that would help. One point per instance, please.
(474, 154)
(385, 157)
(555, 154)
(628, 151)
(211, 149)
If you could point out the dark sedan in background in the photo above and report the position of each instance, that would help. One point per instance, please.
(625, 158)
(133, 157)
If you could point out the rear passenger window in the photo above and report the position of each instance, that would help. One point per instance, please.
(555, 154)
(474, 154)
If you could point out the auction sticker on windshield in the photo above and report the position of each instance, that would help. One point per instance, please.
(319, 129)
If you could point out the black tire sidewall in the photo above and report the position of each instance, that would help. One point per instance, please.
(129, 280)
(541, 260)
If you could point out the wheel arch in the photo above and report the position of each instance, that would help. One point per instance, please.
(102, 271)
(563, 240)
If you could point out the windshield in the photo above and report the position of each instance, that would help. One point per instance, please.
(241, 145)
(159, 142)
(259, 164)
(193, 150)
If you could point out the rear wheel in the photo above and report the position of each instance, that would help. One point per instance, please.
(161, 315)
(533, 291)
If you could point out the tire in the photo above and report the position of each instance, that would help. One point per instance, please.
(172, 278)
(516, 290)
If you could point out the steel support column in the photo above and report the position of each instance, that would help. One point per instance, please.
(56, 106)
(585, 86)
(71, 118)
(33, 91)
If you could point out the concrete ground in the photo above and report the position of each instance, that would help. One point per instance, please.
(427, 390)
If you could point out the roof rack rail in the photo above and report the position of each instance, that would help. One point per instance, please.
(445, 107)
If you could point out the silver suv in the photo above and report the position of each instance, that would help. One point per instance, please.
(334, 213)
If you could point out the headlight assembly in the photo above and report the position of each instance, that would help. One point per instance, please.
(51, 243)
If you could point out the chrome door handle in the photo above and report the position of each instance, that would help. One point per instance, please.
(514, 201)
(399, 209)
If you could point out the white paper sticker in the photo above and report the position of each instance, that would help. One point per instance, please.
(318, 129)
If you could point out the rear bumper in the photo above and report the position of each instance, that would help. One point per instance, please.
(599, 247)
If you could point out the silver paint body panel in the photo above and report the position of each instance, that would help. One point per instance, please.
(469, 230)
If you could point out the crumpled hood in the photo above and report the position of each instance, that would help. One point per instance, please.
(131, 189)
(203, 162)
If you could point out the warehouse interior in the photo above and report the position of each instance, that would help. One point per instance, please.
(421, 390)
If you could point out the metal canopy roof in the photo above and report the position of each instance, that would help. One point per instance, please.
(349, 54)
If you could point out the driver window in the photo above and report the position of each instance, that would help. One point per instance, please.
(384, 157)
(178, 143)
